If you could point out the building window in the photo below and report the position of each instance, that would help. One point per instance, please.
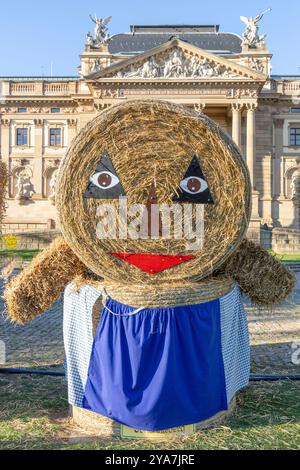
(295, 136)
(55, 137)
(22, 136)
(295, 110)
(55, 110)
(22, 110)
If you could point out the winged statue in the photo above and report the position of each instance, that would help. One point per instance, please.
(251, 36)
(101, 35)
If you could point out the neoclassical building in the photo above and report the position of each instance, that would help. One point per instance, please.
(223, 75)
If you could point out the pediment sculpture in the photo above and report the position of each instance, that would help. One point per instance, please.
(177, 65)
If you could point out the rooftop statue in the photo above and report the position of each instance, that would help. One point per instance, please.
(251, 36)
(101, 35)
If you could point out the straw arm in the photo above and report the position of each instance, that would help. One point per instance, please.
(39, 285)
(265, 279)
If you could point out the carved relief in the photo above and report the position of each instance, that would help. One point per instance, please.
(72, 122)
(176, 65)
(107, 93)
(292, 180)
(295, 187)
(37, 110)
(178, 90)
(95, 66)
(5, 122)
(256, 64)
(23, 187)
(49, 179)
(4, 109)
(251, 106)
(52, 186)
(86, 108)
(236, 106)
(100, 106)
(32, 110)
(68, 110)
(244, 93)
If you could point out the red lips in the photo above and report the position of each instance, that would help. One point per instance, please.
(152, 264)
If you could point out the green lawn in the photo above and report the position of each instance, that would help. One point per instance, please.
(33, 415)
(26, 255)
(293, 257)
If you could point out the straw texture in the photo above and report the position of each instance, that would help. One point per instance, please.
(105, 427)
(147, 141)
(39, 285)
(265, 279)
(149, 296)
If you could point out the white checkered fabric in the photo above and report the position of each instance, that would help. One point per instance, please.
(235, 342)
(78, 340)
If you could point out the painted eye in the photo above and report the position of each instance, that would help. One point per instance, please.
(104, 180)
(193, 185)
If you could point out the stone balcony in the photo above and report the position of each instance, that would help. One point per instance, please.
(291, 88)
(287, 86)
(39, 87)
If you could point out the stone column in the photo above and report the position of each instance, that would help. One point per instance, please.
(72, 130)
(251, 141)
(38, 160)
(278, 151)
(255, 222)
(237, 123)
(266, 189)
(5, 146)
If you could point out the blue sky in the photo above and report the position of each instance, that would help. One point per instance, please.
(34, 33)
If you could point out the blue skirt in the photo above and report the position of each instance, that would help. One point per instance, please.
(157, 368)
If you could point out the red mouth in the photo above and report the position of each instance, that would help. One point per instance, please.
(152, 264)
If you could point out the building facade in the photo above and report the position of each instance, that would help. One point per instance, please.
(223, 75)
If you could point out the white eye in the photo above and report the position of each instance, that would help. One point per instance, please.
(193, 185)
(104, 180)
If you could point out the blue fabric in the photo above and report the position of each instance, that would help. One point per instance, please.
(158, 368)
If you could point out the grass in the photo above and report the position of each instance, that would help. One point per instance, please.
(33, 415)
(26, 255)
(290, 257)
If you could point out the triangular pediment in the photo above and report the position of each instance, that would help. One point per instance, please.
(177, 59)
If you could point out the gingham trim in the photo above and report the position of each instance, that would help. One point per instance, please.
(78, 338)
(235, 342)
